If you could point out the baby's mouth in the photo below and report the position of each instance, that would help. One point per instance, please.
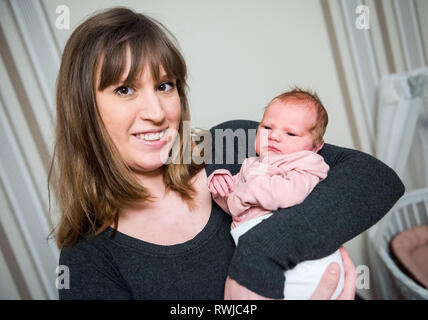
(272, 148)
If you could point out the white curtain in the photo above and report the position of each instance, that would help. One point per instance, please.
(402, 143)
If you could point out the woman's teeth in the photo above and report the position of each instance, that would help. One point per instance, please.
(151, 136)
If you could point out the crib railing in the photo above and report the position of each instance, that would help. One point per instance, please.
(410, 211)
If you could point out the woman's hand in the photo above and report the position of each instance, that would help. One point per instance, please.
(330, 279)
(234, 291)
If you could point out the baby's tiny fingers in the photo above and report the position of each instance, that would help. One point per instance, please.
(229, 182)
(212, 189)
(218, 188)
(225, 187)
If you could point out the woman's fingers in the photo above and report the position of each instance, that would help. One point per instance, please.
(349, 288)
(331, 276)
(328, 283)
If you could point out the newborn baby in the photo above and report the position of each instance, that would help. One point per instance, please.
(285, 172)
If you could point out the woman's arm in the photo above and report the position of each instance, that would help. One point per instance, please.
(358, 192)
(324, 291)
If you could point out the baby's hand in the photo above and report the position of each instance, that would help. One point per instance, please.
(221, 184)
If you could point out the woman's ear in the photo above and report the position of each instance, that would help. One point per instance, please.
(318, 146)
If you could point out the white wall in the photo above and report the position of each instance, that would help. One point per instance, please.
(240, 54)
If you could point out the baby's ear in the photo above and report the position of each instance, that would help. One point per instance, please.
(318, 146)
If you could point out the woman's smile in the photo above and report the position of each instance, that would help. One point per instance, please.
(151, 135)
(153, 138)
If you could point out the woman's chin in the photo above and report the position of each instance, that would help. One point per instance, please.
(149, 166)
(148, 170)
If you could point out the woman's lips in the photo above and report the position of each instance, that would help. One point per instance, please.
(153, 138)
(151, 135)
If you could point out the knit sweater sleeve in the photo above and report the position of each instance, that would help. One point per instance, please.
(358, 191)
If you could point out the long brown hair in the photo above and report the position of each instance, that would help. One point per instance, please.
(90, 179)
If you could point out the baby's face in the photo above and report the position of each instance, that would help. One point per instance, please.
(285, 128)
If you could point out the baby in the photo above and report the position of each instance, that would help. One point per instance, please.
(285, 172)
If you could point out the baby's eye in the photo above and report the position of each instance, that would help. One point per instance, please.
(166, 86)
(124, 91)
(291, 134)
(266, 127)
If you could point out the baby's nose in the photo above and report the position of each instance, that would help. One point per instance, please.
(275, 135)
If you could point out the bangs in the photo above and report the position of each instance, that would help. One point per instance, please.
(148, 49)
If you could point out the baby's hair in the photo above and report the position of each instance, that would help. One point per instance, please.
(308, 97)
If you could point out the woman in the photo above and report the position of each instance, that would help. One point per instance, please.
(133, 227)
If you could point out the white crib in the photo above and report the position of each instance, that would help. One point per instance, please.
(391, 283)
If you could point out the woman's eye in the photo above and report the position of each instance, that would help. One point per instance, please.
(124, 91)
(166, 86)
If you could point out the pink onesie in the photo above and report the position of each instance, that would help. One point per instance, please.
(265, 184)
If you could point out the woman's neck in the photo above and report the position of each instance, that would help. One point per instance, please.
(153, 182)
(167, 220)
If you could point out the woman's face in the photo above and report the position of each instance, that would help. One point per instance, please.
(142, 120)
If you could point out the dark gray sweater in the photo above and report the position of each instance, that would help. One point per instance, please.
(358, 191)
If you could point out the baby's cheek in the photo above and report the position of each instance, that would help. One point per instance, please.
(257, 145)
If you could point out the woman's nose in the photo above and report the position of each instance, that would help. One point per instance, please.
(152, 108)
